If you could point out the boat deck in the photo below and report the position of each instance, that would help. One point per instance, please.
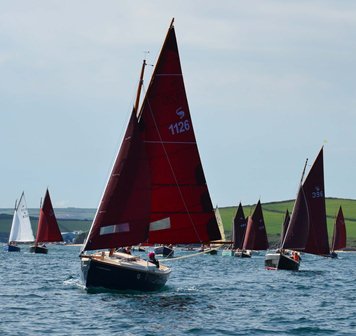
(126, 260)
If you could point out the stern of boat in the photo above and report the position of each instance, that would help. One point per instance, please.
(277, 260)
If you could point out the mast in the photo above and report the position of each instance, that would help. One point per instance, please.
(305, 166)
(39, 216)
(139, 88)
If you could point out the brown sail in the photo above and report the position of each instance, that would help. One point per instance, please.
(339, 235)
(239, 228)
(256, 235)
(307, 230)
(48, 230)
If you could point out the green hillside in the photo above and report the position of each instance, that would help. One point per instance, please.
(73, 219)
(274, 212)
(65, 225)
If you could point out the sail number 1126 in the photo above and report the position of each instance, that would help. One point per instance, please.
(179, 127)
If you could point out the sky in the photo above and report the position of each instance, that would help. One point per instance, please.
(268, 84)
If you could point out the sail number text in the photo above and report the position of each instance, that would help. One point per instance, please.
(179, 127)
(317, 194)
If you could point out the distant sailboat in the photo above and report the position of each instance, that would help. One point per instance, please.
(156, 191)
(165, 251)
(239, 228)
(238, 235)
(21, 230)
(307, 229)
(339, 234)
(47, 230)
(256, 235)
(215, 245)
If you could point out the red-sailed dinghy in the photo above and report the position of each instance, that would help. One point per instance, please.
(339, 235)
(47, 229)
(156, 191)
(255, 235)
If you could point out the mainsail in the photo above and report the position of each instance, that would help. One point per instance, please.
(256, 235)
(339, 235)
(21, 230)
(157, 191)
(239, 228)
(307, 230)
(48, 230)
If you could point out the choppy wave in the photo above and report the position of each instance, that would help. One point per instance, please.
(206, 295)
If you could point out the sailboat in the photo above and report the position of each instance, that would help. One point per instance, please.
(339, 234)
(239, 232)
(47, 230)
(165, 251)
(156, 191)
(21, 230)
(307, 229)
(238, 235)
(256, 235)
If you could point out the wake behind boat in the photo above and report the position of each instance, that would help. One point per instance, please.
(156, 192)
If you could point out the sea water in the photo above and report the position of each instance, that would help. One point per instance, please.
(205, 295)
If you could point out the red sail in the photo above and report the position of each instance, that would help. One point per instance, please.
(157, 192)
(307, 230)
(256, 235)
(339, 236)
(318, 242)
(181, 208)
(122, 216)
(48, 230)
(239, 228)
(297, 232)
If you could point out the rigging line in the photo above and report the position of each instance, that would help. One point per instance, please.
(186, 256)
(171, 167)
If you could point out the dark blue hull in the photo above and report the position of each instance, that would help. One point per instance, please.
(11, 248)
(101, 273)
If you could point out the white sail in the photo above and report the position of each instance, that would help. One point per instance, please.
(21, 230)
(220, 223)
